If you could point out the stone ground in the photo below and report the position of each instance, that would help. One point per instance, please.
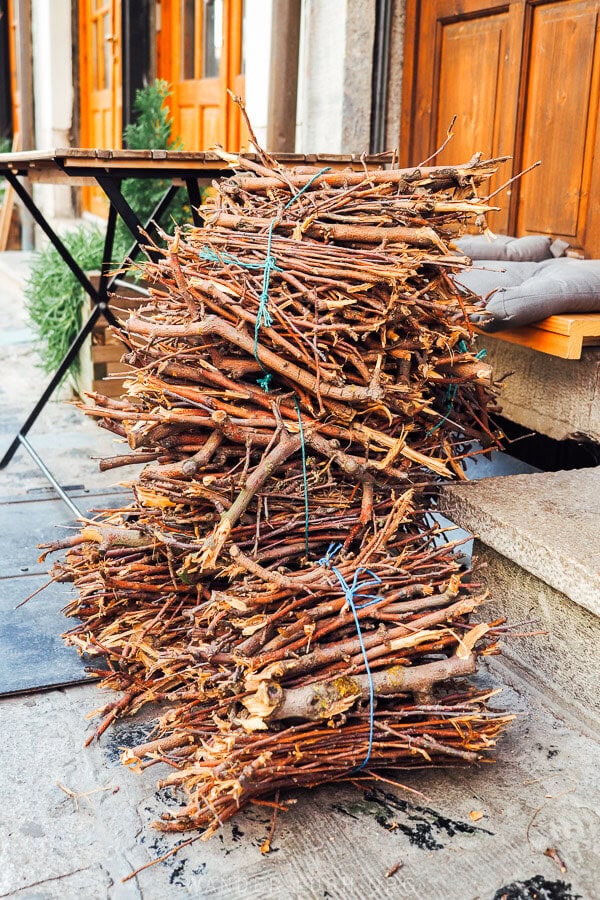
(74, 822)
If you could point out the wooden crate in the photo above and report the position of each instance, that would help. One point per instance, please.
(100, 356)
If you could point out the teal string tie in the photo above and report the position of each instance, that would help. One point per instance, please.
(453, 389)
(209, 254)
(263, 316)
(306, 186)
(265, 381)
(351, 592)
(304, 477)
(481, 354)
(450, 398)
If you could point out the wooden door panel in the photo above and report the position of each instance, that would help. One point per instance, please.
(211, 126)
(196, 107)
(462, 60)
(202, 112)
(560, 120)
(471, 53)
(100, 87)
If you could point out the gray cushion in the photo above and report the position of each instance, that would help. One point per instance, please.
(532, 248)
(549, 288)
(486, 276)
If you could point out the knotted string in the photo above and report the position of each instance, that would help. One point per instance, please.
(211, 255)
(453, 389)
(351, 592)
(263, 316)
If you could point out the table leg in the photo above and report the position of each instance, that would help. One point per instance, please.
(37, 216)
(157, 213)
(98, 310)
(195, 198)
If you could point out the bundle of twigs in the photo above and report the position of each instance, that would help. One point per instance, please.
(304, 379)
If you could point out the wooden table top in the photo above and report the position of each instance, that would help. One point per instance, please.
(77, 165)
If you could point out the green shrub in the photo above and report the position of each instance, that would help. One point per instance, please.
(151, 130)
(53, 294)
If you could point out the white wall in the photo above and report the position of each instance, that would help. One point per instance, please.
(335, 71)
(53, 91)
(257, 46)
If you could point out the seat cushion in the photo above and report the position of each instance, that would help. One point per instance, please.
(531, 248)
(528, 292)
(488, 275)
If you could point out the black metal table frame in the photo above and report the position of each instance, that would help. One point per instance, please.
(110, 183)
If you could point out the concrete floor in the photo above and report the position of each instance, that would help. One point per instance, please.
(74, 822)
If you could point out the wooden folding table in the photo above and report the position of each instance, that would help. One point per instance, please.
(108, 169)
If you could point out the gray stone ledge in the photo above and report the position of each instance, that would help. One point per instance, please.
(563, 660)
(548, 523)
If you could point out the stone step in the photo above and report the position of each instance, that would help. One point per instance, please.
(537, 549)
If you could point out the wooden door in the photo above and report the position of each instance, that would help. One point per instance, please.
(12, 55)
(523, 78)
(200, 54)
(462, 60)
(100, 82)
(560, 123)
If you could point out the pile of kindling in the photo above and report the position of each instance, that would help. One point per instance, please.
(304, 379)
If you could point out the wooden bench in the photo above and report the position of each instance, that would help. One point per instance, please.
(564, 336)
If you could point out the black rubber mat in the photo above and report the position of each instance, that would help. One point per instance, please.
(28, 522)
(33, 655)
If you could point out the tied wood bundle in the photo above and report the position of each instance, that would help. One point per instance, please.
(304, 379)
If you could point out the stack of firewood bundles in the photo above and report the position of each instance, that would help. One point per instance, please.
(305, 378)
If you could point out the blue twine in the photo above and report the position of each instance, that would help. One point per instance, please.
(265, 381)
(263, 316)
(462, 346)
(351, 592)
(453, 389)
(450, 397)
(304, 477)
(209, 254)
(306, 186)
(332, 550)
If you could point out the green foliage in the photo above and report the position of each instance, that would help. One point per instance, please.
(54, 296)
(151, 130)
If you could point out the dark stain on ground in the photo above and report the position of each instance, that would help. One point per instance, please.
(422, 825)
(552, 752)
(236, 833)
(176, 876)
(125, 735)
(537, 888)
(169, 797)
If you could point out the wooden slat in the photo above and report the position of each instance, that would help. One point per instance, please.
(78, 165)
(563, 336)
(6, 210)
